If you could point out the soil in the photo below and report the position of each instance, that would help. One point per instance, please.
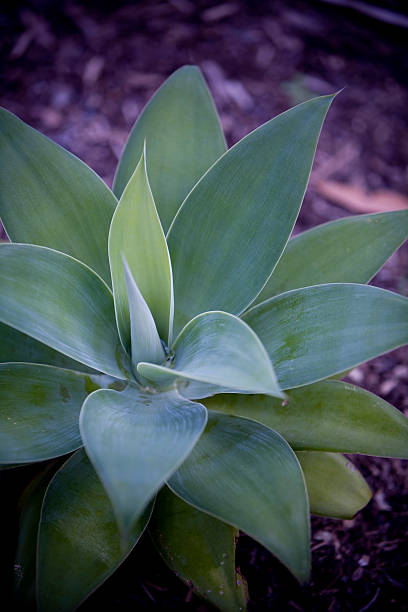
(81, 73)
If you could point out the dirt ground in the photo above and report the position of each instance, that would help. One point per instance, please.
(81, 73)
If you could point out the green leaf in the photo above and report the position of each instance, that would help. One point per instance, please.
(135, 441)
(62, 303)
(16, 346)
(219, 349)
(349, 250)
(79, 544)
(25, 560)
(145, 341)
(183, 138)
(335, 487)
(137, 235)
(239, 216)
(246, 475)
(327, 416)
(40, 408)
(199, 549)
(49, 197)
(315, 332)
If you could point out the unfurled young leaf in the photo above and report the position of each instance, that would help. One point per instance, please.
(136, 235)
(254, 314)
(145, 341)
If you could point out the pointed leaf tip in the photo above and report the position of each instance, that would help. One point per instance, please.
(232, 219)
(136, 234)
(135, 440)
(184, 138)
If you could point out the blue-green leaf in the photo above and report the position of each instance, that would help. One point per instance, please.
(135, 441)
(315, 332)
(246, 475)
(62, 303)
(231, 230)
(49, 197)
(40, 408)
(219, 349)
(16, 346)
(183, 139)
(145, 341)
(328, 416)
(349, 250)
(79, 544)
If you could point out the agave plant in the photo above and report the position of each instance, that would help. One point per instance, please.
(177, 348)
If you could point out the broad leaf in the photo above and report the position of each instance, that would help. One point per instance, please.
(219, 349)
(231, 230)
(40, 408)
(79, 544)
(62, 303)
(335, 487)
(16, 346)
(327, 416)
(135, 441)
(246, 475)
(315, 332)
(25, 559)
(349, 250)
(199, 549)
(49, 197)
(136, 235)
(183, 139)
(145, 341)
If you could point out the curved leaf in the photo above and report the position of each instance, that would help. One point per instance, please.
(335, 487)
(199, 549)
(183, 138)
(40, 408)
(145, 341)
(349, 250)
(246, 475)
(239, 216)
(136, 235)
(135, 441)
(219, 349)
(60, 302)
(327, 416)
(25, 559)
(79, 544)
(50, 197)
(315, 332)
(16, 346)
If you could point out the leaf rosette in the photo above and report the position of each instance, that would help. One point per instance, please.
(174, 340)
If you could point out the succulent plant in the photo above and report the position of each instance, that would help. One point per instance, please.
(170, 341)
